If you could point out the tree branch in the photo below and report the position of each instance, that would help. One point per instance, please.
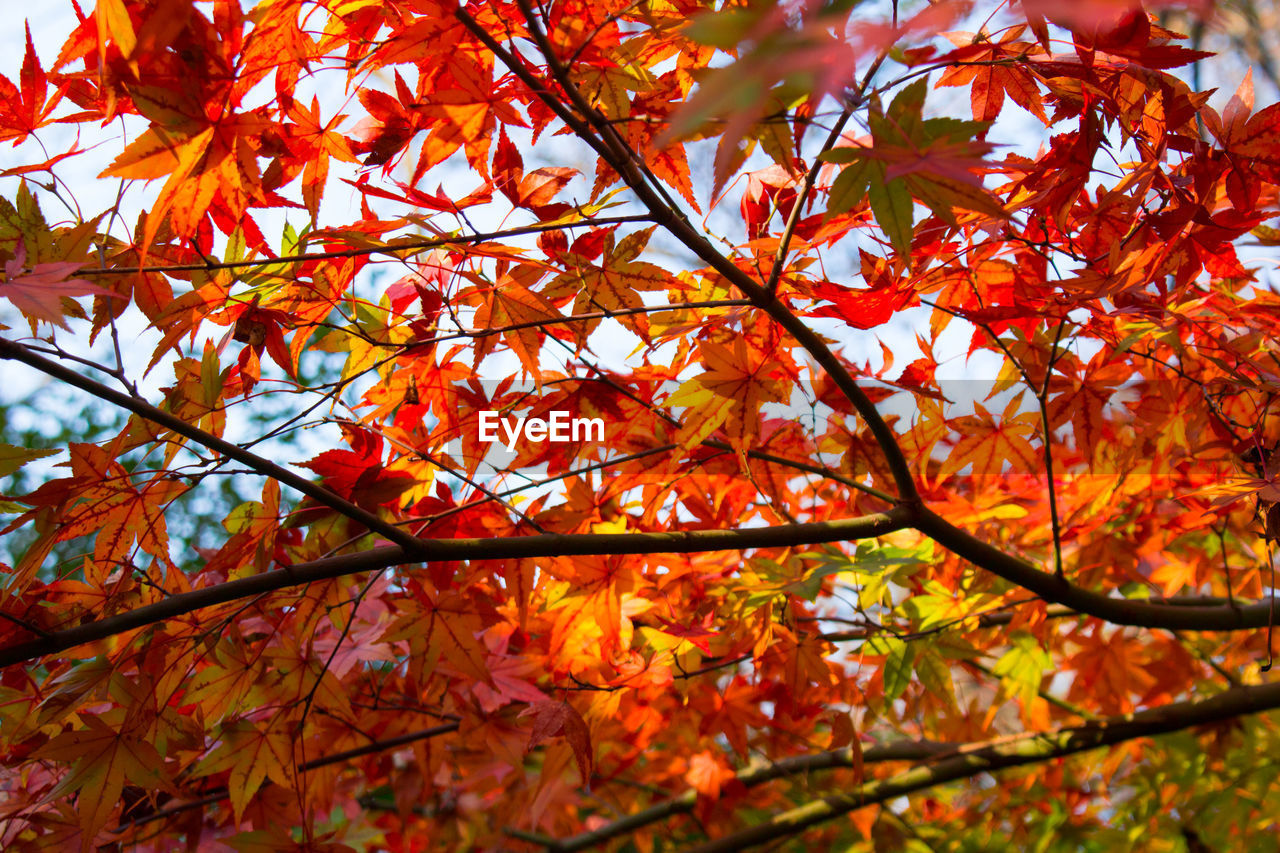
(987, 757)
(219, 794)
(1172, 613)
(1119, 611)
(387, 248)
(682, 230)
(751, 777)
(549, 545)
(802, 198)
(17, 352)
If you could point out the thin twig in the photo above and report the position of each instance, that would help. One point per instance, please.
(383, 248)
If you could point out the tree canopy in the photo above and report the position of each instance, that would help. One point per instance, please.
(645, 425)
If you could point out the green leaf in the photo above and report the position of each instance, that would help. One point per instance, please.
(724, 30)
(926, 611)
(935, 675)
(1267, 235)
(810, 585)
(12, 458)
(953, 129)
(871, 558)
(891, 204)
(842, 155)
(899, 658)
(1022, 667)
(907, 108)
(210, 375)
(849, 187)
(237, 247)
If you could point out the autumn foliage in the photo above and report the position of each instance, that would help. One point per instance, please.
(938, 486)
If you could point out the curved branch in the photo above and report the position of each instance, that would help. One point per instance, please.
(1032, 748)
(17, 352)
(682, 230)
(1171, 614)
(802, 197)
(219, 794)
(751, 777)
(549, 545)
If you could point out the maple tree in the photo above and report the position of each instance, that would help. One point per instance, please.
(287, 598)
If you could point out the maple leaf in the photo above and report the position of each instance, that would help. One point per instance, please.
(104, 758)
(861, 309)
(24, 110)
(205, 161)
(1253, 140)
(359, 477)
(223, 688)
(1022, 667)
(38, 292)
(707, 773)
(316, 143)
(990, 77)
(1175, 575)
(511, 683)
(1111, 669)
(615, 283)
(739, 379)
(697, 635)
(251, 753)
(513, 304)
(391, 126)
(767, 190)
(989, 444)
(442, 629)
(118, 514)
(560, 719)
(243, 666)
